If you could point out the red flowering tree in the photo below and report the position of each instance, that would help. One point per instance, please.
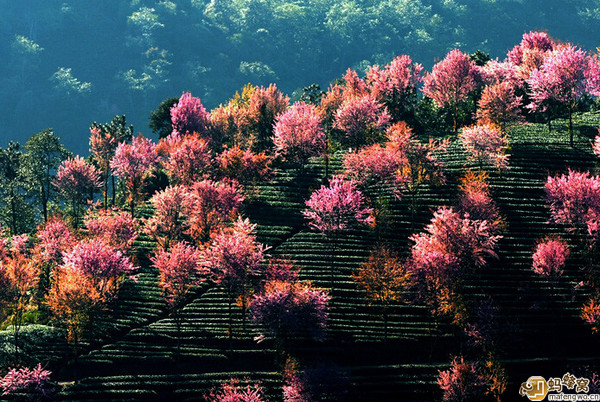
(485, 143)
(464, 381)
(451, 81)
(77, 181)
(549, 257)
(170, 222)
(334, 209)
(55, 237)
(189, 160)
(214, 204)
(529, 54)
(244, 166)
(177, 269)
(290, 310)
(299, 133)
(190, 116)
(361, 120)
(383, 277)
(118, 229)
(496, 72)
(567, 73)
(499, 105)
(234, 258)
(132, 163)
(475, 200)
(374, 165)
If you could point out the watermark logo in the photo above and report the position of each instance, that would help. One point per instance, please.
(538, 388)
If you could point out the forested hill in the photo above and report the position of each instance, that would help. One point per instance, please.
(68, 63)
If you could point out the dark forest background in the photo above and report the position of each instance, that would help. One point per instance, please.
(66, 64)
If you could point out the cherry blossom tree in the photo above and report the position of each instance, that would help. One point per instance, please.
(214, 204)
(170, 221)
(334, 209)
(567, 73)
(286, 310)
(190, 116)
(464, 381)
(264, 105)
(232, 391)
(575, 202)
(529, 54)
(495, 72)
(374, 165)
(354, 85)
(475, 199)
(383, 277)
(485, 143)
(177, 277)
(77, 181)
(549, 257)
(189, 161)
(299, 133)
(395, 85)
(102, 147)
(451, 248)
(450, 82)
(118, 229)
(361, 119)
(55, 237)
(499, 105)
(34, 382)
(233, 258)
(132, 163)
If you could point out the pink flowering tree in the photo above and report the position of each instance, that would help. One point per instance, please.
(575, 202)
(499, 105)
(189, 116)
(334, 209)
(232, 391)
(395, 85)
(177, 277)
(102, 147)
(496, 72)
(55, 237)
(32, 382)
(529, 54)
(451, 81)
(549, 258)
(475, 199)
(214, 205)
(170, 221)
(567, 73)
(485, 143)
(189, 160)
(286, 310)
(361, 120)
(450, 249)
(77, 180)
(299, 133)
(464, 381)
(105, 266)
(118, 229)
(234, 259)
(263, 106)
(133, 163)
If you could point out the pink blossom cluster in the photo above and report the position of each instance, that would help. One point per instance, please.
(132, 161)
(549, 257)
(298, 133)
(189, 115)
(359, 118)
(76, 179)
(54, 239)
(24, 379)
(399, 77)
(189, 160)
(232, 391)
(463, 382)
(485, 143)
(337, 207)
(116, 228)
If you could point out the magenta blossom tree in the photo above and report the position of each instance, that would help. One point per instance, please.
(451, 81)
(233, 259)
(132, 163)
(170, 222)
(190, 116)
(189, 161)
(567, 73)
(549, 257)
(336, 208)
(177, 276)
(485, 143)
(118, 229)
(362, 120)
(34, 382)
(299, 134)
(232, 391)
(104, 265)
(464, 381)
(55, 238)
(499, 105)
(77, 181)
(287, 310)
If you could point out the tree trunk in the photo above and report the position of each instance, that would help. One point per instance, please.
(571, 125)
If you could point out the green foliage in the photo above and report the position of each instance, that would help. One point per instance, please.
(160, 118)
(15, 212)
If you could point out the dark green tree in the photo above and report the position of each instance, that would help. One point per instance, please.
(15, 212)
(160, 119)
(43, 154)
